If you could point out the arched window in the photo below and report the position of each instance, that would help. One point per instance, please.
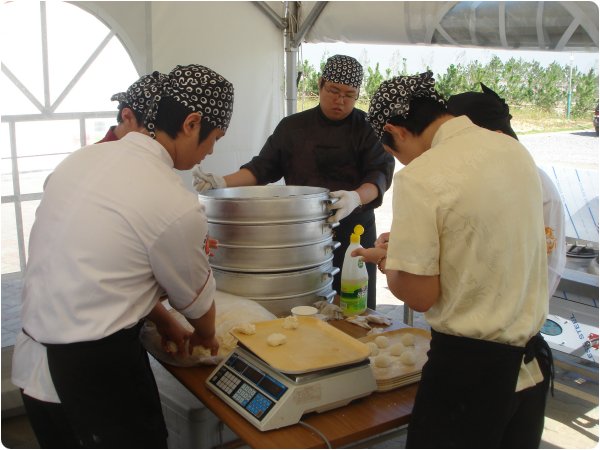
(60, 66)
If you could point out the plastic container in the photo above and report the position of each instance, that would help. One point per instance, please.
(355, 279)
(190, 424)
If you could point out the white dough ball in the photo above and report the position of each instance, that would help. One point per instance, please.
(198, 350)
(397, 349)
(373, 348)
(382, 361)
(408, 339)
(291, 323)
(408, 358)
(245, 328)
(382, 341)
(276, 339)
(171, 347)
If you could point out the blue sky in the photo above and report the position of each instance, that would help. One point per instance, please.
(418, 58)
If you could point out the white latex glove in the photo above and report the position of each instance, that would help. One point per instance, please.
(347, 202)
(206, 181)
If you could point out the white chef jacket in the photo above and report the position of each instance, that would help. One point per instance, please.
(470, 210)
(115, 227)
(554, 222)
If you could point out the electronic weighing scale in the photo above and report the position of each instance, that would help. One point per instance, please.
(269, 399)
(318, 368)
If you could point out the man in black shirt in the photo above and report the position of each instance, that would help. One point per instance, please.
(330, 146)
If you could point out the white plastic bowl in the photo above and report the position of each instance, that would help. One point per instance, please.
(304, 311)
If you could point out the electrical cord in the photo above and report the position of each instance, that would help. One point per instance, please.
(315, 430)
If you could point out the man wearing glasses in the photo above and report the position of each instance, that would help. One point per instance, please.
(331, 146)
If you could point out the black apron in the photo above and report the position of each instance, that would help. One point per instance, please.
(108, 391)
(467, 398)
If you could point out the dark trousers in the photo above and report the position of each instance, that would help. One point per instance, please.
(467, 398)
(342, 234)
(49, 423)
(108, 392)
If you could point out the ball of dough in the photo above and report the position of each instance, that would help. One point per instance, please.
(373, 348)
(382, 341)
(408, 339)
(171, 347)
(382, 361)
(408, 358)
(198, 350)
(245, 328)
(396, 349)
(290, 323)
(276, 339)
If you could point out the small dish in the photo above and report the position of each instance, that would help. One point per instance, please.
(304, 311)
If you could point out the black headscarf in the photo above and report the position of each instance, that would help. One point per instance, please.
(485, 109)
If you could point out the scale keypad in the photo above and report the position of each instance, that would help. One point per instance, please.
(228, 382)
(244, 394)
(259, 405)
(249, 387)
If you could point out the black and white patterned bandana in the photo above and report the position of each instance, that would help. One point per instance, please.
(393, 97)
(140, 95)
(198, 88)
(343, 70)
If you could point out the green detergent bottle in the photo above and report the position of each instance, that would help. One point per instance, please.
(355, 279)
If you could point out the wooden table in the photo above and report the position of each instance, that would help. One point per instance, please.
(363, 418)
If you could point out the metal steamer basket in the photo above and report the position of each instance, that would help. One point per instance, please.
(275, 245)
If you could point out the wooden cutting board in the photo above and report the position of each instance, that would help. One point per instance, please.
(314, 345)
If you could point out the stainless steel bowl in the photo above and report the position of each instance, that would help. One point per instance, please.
(263, 286)
(266, 204)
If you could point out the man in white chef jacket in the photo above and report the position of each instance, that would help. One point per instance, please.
(486, 109)
(115, 229)
(467, 248)
(30, 364)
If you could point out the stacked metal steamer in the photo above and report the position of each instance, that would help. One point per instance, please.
(275, 245)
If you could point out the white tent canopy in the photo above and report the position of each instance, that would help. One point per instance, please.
(255, 44)
(519, 25)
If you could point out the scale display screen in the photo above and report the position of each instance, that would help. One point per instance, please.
(251, 388)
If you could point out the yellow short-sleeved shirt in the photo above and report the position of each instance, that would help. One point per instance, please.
(470, 210)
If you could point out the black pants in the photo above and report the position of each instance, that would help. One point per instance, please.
(108, 392)
(342, 234)
(49, 423)
(467, 398)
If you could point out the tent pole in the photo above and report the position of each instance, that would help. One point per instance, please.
(291, 60)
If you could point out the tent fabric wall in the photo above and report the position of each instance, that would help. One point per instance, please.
(233, 38)
(237, 40)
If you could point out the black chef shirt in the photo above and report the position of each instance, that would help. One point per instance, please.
(308, 149)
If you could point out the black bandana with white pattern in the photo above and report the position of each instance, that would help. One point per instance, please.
(393, 97)
(198, 88)
(140, 95)
(343, 70)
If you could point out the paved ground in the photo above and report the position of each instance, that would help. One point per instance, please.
(567, 149)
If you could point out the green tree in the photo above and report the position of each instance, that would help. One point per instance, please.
(453, 81)
(372, 80)
(550, 87)
(585, 95)
(309, 79)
